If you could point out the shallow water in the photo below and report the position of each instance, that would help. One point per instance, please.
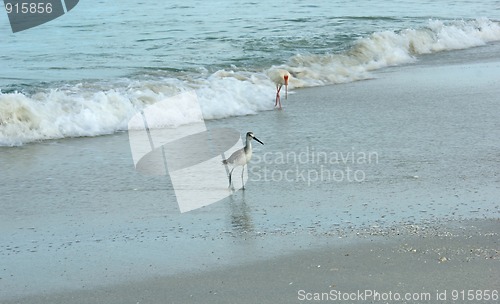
(416, 154)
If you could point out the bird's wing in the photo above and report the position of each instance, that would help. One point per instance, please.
(234, 156)
(276, 75)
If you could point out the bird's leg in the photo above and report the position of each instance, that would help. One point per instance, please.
(278, 89)
(230, 172)
(278, 99)
(243, 183)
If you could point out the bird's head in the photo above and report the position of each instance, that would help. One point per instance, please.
(285, 79)
(251, 136)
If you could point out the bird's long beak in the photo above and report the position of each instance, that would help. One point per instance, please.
(286, 86)
(258, 140)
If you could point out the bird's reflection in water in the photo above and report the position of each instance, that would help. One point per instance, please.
(240, 214)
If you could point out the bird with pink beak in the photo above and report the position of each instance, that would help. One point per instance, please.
(280, 77)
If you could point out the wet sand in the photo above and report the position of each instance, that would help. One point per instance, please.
(407, 263)
(80, 225)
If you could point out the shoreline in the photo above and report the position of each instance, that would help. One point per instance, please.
(80, 225)
(419, 260)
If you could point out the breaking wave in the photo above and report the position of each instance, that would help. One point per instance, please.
(91, 109)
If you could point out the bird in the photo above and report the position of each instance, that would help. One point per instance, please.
(241, 157)
(280, 77)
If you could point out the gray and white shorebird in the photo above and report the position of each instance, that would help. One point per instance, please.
(241, 157)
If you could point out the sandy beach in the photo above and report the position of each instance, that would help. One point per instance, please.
(426, 263)
(421, 219)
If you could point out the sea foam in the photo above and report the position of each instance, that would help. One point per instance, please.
(389, 48)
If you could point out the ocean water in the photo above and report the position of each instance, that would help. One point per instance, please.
(88, 72)
(412, 86)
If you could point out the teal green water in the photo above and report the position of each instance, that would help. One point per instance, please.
(107, 39)
(88, 72)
